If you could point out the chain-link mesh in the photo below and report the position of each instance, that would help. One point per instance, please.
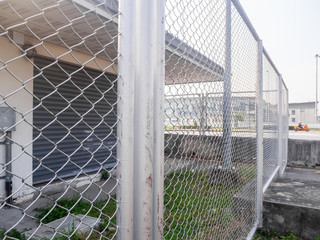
(58, 101)
(59, 114)
(209, 194)
(270, 120)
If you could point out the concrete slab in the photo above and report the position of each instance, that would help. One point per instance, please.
(63, 227)
(21, 216)
(302, 174)
(16, 218)
(294, 192)
(292, 203)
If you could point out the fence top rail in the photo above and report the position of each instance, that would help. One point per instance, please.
(271, 62)
(285, 85)
(247, 21)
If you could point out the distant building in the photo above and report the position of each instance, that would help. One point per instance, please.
(304, 112)
(207, 110)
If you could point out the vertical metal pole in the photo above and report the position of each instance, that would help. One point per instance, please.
(8, 182)
(280, 127)
(158, 152)
(143, 122)
(316, 103)
(125, 127)
(227, 161)
(260, 135)
(287, 119)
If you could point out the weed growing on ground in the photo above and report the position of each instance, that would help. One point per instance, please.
(105, 210)
(194, 208)
(272, 235)
(197, 208)
(13, 234)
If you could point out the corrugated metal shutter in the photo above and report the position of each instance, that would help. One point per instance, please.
(75, 120)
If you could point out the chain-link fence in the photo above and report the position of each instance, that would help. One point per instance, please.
(270, 121)
(284, 126)
(58, 119)
(136, 120)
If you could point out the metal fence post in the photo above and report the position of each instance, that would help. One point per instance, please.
(125, 128)
(144, 75)
(260, 135)
(158, 152)
(227, 161)
(280, 126)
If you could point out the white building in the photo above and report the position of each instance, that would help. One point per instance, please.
(304, 112)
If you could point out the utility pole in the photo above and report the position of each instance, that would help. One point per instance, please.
(316, 102)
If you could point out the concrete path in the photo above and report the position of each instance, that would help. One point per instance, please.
(292, 203)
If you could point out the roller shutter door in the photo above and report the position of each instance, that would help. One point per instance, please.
(74, 120)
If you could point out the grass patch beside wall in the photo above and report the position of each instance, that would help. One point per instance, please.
(194, 207)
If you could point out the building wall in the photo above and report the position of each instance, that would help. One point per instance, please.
(303, 112)
(16, 90)
(16, 78)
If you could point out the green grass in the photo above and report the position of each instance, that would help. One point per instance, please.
(194, 207)
(13, 234)
(105, 210)
(272, 235)
(267, 235)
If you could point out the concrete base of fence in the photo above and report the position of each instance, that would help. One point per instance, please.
(283, 218)
(292, 204)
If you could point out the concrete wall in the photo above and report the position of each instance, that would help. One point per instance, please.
(285, 218)
(209, 147)
(16, 81)
(303, 153)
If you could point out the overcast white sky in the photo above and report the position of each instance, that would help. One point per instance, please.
(290, 31)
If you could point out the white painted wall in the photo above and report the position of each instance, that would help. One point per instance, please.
(16, 89)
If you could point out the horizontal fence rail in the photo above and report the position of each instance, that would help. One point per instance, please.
(136, 119)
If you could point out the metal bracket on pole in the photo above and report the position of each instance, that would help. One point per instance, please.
(260, 135)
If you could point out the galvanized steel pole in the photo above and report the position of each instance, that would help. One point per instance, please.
(158, 120)
(125, 126)
(316, 102)
(260, 135)
(227, 161)
(144, 72)
(280, 127)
